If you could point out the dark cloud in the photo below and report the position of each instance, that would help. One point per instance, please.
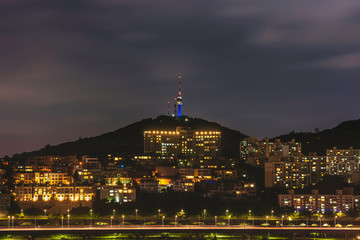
(81, 68)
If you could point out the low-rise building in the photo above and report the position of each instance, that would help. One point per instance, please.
(183, 186)
(55, 199)
(233, 190)
(149, 185)
(118, 193)
(229, 174)
(43, 178)
(5, 201)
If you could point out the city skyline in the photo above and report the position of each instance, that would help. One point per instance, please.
(81, 69)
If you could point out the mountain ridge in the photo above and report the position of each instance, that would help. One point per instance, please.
(129, 139)
(346, 134)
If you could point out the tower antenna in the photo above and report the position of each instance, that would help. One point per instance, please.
(168, 108)
(179, 102)
(174, 107)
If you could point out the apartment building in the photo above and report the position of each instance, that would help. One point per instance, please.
(256, 152)
(342, 200)
(202, 146)
(287, 174)
(344, 162)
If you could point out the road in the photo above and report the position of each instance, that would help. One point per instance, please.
(178, 229)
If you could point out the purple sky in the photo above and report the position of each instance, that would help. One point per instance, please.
(81, 68)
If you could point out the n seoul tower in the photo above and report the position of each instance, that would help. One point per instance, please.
(179, 102)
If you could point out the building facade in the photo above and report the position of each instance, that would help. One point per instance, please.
(287, 174)
(343, 201)
(202, 146)
(256, 152)
(344, 162)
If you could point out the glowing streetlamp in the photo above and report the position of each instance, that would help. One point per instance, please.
(91, 217)
(123, 220)
(272, 213)
(215, 220)
(111, 221)
(113, 212)
(229, 220)
(204, 212)
(176, 220)
(45, 212)
(249, 213)
(159, 212)
(266, 220)
(335, 220)
(282, 220)
(12, 221)
(163, 219)
(227, 212)
(62, 222)
(136, 213)
(68, 217)
(9, 220)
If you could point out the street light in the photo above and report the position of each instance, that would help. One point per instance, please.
(229, 220)
(68, 216)
(163, 218)
(123, 220)
(272, 213)
(111, 221)
(62, 222)
(267, 220)
(249, 213)
(9, 221)
(12, 221)
(175, 220)
(45, 212)
(215, 220)
(91, 217)
(159, 211)
(204, 213)
(335, 220)
(113, 212)
(282, 220)
(227, 212)
(136, 212)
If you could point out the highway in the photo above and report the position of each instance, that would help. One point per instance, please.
(141, 229)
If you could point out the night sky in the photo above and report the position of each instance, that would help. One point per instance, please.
(73, 69)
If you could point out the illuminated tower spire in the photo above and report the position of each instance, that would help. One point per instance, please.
(179, 102)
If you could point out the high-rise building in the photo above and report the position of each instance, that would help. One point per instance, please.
(344, 162)
(287, 174)
(256, 152)
(183, 142)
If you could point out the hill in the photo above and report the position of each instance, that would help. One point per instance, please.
(344, 135)
(130, 140)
